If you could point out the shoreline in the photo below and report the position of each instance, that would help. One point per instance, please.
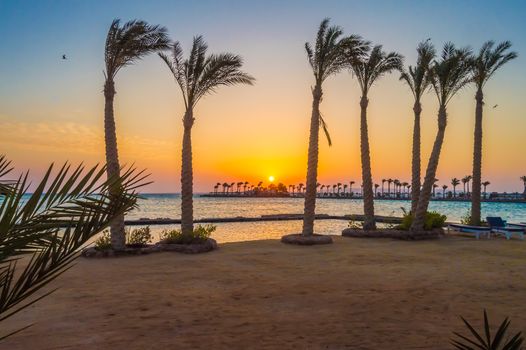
(212, 195)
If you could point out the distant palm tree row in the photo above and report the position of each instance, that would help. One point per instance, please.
(389, 188)
(201, 74)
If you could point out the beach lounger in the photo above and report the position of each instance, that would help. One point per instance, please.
(499, 226)
(477, 230)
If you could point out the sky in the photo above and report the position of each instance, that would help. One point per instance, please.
(51, 110)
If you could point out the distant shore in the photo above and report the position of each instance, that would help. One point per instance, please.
(286, 195)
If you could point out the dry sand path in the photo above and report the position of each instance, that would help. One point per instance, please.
(355, 294)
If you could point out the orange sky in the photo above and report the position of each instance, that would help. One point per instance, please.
(247, 133)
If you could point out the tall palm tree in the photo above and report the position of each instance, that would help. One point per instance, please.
(339, 187)
(418, 81)
(444, 188)
(383, 182)
(376, 189)
(454, 182)
(197, 76)
(488, 60)
(326, 57)
(485, 184)
(368, 69)
(345, 188)
(448, 76)
(125, 45)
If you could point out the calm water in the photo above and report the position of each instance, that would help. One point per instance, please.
(168, 206)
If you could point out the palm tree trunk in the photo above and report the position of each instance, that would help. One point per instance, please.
(187, 205)
(429, 180)
(118, 238)
(312, 166)
(415, 166)
(368, 195)
(477, 160)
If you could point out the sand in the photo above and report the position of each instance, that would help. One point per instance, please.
(353, 294)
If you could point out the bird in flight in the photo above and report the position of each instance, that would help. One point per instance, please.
(64, 57)
(495, 106)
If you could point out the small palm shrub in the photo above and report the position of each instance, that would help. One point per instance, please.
(139, 237)
(199, 235)
(432, 220)
(485, 341)
(104, 241)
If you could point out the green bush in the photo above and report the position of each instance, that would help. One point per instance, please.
(432, 220)
(139, 237)
(104, 241)
(199, 235)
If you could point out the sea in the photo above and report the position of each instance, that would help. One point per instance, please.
(169, 206)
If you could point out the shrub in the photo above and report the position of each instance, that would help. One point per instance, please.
(432, 220)
(139, 237)
(104, 241)
(199, 235)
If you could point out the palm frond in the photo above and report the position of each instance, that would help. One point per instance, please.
(202, 74)
(325, 129)
(417, 77)
(485, 341)
(451, 73)
(489, 60)
(52, 224)
(371, 67)
(130, 42)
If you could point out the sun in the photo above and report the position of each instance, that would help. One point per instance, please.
(271, 178)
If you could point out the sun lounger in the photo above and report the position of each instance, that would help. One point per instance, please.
(499, 226)
(477, 230)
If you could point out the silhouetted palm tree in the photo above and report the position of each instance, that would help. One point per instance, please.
(326, 58)
(448, 76)
(225, 187)
(465, 180)
(444, 188)
(345, 188)
(485, 184)
(483, 66)
(383, 181)
(124, 46)
(418, 81)
(454, 182)
(339, 187)
(368, 69)
(198, 76)
(389, 182)
(350, 187)
(376, 189)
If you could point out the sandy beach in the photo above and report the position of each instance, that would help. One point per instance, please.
(355, 294)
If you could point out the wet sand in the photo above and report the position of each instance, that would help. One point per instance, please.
(354, 294)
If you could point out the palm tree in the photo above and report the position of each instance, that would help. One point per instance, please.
(225, 186)
(448, 76)
(376, 189)
(434, 187)
(231, 187)
(198, 76)
(465, 180)
(396, 183)
(215, 188)
(523, 179)
(389, 182)
(485, 184)
(468, 178)
(418, 81)
(483, 66)
(339, 187)
(326, 57)
(125, 45)
(444, 188)
(345, 188)
(454, 182)
(383, 181)
(245, 184)
(350, 187)
(368, 69)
